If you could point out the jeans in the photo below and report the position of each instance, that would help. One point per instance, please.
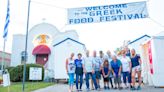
(71, 78)
(126, 75)
(77, 80)
(93, 78)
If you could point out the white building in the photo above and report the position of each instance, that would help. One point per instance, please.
(48, 47)
(136, 44)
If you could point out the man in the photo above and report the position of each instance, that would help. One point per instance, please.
(89, 70)
(97, 68)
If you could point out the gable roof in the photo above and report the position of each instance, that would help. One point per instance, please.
(139, 39)
(66, 40)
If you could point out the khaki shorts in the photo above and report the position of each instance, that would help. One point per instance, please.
(136, 68)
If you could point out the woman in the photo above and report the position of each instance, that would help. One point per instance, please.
(126, 68)
(106, 72)
(116, 67)
(136, 69)
(79, 71)
(70, 68)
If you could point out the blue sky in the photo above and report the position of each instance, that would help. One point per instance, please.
(96, 36)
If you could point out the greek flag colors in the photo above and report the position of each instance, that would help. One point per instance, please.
(7, 21)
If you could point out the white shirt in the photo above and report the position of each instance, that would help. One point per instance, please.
(125, 63)
(88, 63)
(97, 62)
(71, 66)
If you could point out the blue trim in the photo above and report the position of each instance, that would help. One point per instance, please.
(139, 38)
(66, 40)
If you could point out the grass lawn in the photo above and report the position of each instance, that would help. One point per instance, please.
(29, 86)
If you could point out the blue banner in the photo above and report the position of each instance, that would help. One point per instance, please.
(107, 13)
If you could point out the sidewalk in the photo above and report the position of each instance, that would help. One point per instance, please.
(64, 88)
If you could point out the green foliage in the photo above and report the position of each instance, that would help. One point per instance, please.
(16, 73)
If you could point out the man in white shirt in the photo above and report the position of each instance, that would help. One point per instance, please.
(89, 70)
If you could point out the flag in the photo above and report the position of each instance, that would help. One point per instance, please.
(7, 21)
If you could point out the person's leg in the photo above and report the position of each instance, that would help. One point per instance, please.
(94, 81)
(87, 80)
(119, 82)
(81, 81)
(115, 82)
(129, 79)
(139, 80)
(108, 84)
(111, 82)
(133, 78)
(124, 78)
(69, 82)
(92, 84)
(77, 81)
(72, 81)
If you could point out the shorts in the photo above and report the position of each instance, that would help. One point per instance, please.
(106, 79)
(98, 75)
(136, 68)
(117, 80)
(71, 78)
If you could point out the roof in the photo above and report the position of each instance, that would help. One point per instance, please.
(139, 38)
(66, 40)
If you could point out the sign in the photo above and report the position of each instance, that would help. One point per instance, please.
(6, 80)
(35, 73)
(107, 13)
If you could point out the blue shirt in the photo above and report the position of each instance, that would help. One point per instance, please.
(116, 66)
(106, 70)
(135, 61)
(79, 66)
(78, 63)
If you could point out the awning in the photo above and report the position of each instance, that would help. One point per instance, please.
(41, 49)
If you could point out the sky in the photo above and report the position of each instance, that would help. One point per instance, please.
(96, 36)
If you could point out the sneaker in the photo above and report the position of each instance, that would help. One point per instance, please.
(115, 87)
(139, 88)
(108, 88)
(133, 88)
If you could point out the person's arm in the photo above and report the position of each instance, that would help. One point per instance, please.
(120, 69)
(93, 66)
(130, 65)
(66, 65)
(83, 65)
(103, 72)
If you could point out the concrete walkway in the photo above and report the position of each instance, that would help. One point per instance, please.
(64, 88)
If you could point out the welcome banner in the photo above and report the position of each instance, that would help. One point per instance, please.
(107, 13)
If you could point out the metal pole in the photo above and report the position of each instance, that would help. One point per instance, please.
(3, 55)
(26, 42)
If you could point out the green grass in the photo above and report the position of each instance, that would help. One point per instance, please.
(29, 86)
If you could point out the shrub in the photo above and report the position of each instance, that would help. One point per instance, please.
(16, 73)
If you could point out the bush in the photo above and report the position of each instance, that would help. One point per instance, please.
(16, 73)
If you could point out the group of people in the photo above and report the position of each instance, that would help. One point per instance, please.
(112, 68)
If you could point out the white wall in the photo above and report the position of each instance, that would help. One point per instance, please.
(17, 47)
(62, 52)
(158, 61)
